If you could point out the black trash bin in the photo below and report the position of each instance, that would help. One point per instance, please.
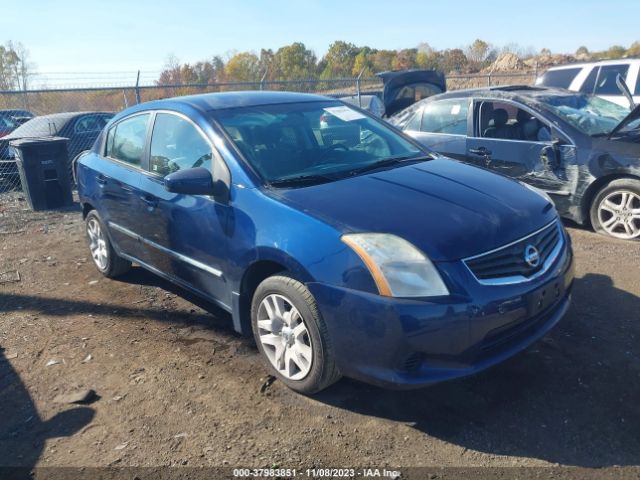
(43, 165)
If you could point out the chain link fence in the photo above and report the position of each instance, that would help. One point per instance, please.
(79, 114)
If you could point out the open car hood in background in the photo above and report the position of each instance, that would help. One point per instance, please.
(394, 80)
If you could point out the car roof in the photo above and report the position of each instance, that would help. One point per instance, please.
(591, 64)
(216, 101)
(513, 92)
(70, 115)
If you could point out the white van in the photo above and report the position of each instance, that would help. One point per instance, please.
(598, 78)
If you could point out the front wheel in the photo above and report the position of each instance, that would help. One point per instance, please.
(615, 210)
(292, 336)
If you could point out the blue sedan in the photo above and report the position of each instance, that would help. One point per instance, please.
(343, 246)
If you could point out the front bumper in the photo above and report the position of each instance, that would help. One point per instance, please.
(405, 343)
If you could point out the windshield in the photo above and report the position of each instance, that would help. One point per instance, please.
(40, 127)
(316, 141)
(589, 114)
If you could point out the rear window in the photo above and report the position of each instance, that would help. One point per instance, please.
(126, 140)
(561, 78)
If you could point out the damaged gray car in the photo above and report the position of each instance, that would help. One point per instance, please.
(583, 151)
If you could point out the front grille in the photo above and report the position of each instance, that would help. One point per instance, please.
(509, 262)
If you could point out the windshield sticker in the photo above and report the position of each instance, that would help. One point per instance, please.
(344, 113)
(455, 110)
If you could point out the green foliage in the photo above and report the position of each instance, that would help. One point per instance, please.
(342, 60)
(339, 60)
(242, 67)
(616, 51)
(634, 49)
(295, 62)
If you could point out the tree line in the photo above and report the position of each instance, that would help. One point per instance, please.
(15, 68)
(346, 60)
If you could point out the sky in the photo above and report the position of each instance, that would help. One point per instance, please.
(129, 35)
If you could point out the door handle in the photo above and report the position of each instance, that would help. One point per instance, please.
(101, 179)
(481, 151)
(150, 200)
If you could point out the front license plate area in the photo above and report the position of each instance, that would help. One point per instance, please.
(542, 298)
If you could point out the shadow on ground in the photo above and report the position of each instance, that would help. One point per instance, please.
(23, 432)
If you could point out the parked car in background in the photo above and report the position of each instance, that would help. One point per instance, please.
(598, 78)
(12, 119)
(583, 151)
(345, 250)
(81, 128)
(401, 88)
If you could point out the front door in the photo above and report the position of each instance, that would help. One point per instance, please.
(183, 235)
(511, 140)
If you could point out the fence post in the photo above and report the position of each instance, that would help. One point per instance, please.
(264, 75)
(138, 88)
(358, 87)
(489, 79)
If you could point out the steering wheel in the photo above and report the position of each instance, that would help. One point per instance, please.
(336, 146)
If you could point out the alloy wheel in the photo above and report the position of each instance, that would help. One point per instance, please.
(97, 244)
(619, 214)
(284, 337)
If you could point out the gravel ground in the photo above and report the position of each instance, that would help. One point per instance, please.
(174, 385)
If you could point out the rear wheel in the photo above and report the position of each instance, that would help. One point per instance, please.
(615, 210)
(104, 256)
(292, 336)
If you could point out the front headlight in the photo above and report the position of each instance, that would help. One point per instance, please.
(398, 268)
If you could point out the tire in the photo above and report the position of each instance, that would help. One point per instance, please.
(615, 210)
(290, 332)
(104, 256)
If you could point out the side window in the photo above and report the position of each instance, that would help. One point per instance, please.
(89, 123)
(125, 140)
(505, 121)
(177, 145)
(606, 83)
(446, 116)
(560, 78)
(590, 82)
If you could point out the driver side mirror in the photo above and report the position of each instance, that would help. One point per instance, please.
(194, 181)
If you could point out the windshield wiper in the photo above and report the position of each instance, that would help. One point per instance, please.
(388, 162)
(300, 180)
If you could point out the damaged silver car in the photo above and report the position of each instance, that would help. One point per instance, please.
(581, 150)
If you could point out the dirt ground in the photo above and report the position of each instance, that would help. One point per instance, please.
(176, 386)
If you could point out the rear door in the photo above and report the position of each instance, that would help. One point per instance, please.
(513, 140)
(183, 235)
(442, 126)
(119, 180)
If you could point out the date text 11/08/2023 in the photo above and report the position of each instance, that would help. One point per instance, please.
(315, 473)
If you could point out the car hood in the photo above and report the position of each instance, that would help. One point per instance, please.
(447, 209)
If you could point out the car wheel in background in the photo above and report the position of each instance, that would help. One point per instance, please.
(104, 256)
(292, 336)
(615, 210)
